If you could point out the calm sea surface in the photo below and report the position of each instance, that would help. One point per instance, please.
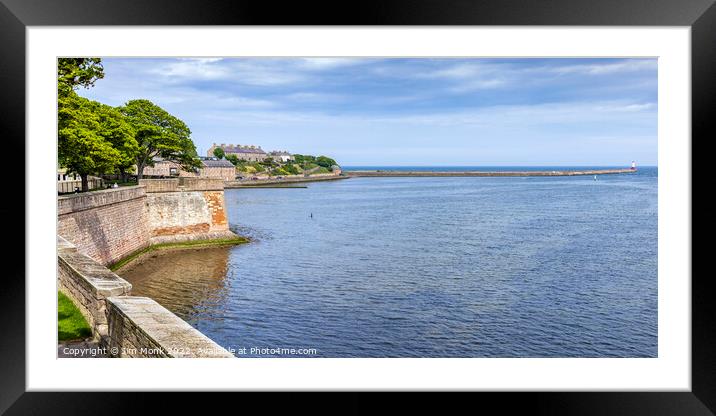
(428, 267)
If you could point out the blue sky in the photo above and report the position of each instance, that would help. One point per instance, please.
(398, 111)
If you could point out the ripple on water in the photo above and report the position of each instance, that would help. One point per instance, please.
(428, 267)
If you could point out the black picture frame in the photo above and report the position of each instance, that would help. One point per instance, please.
(16, 15)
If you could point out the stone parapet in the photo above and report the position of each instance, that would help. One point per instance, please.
(134, 326)
(140, 327)
(182, 184)
(88, 284)
(159, 185)
(67, 204)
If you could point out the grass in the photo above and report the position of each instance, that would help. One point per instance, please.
(71, 325)
(185, 244)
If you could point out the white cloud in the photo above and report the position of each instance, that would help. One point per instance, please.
(627, 107)
(514, 117)
(201, 69)
(314, 97)
(203, 60)
(474, 76)
(463, 71)
(607, 68)
(250, 71)
(328, 63)
(245, 71)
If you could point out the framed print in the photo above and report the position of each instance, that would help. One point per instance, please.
(408, 197)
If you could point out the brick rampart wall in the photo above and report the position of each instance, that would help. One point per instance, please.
(105, 225)
(110, 224)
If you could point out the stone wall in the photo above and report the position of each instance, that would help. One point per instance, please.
(140, 327)
(186, 209)
(127, 326)
(110, 224)
(172, 169)
(88, 284)
(182, 184)
(223, 173)
(106, 225)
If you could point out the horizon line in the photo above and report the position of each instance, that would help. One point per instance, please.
(492, 166)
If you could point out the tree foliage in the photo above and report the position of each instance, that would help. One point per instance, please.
(74, 72)
(269, 162)
(291, 169)
(159, 134)
(96, 138)
(308, 161)
(303, 159)
(233, 159)
(219, 153)
(325, 162)
(119, 133)
(92, 137)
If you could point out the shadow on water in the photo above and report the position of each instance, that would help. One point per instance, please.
(185, 281)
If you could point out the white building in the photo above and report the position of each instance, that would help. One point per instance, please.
(281, 156)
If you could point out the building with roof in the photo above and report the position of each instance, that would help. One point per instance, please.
(211, 168)
(281, 156)
(217, 168)
(248, 153)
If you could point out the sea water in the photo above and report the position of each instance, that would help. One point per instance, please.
(427, 267)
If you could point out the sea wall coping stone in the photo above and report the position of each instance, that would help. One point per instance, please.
(140, 327)
(182, 184)
(67, 204)
(88, 284)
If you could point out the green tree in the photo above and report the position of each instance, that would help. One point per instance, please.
(233, 159)
(87, 135)
(120, 134)
(219, 153)
(258, 167)
(326, 162)
(74, 72)
(92, 137)
(304, 160)
(269, 162)
(159, 134)
(291, 169)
